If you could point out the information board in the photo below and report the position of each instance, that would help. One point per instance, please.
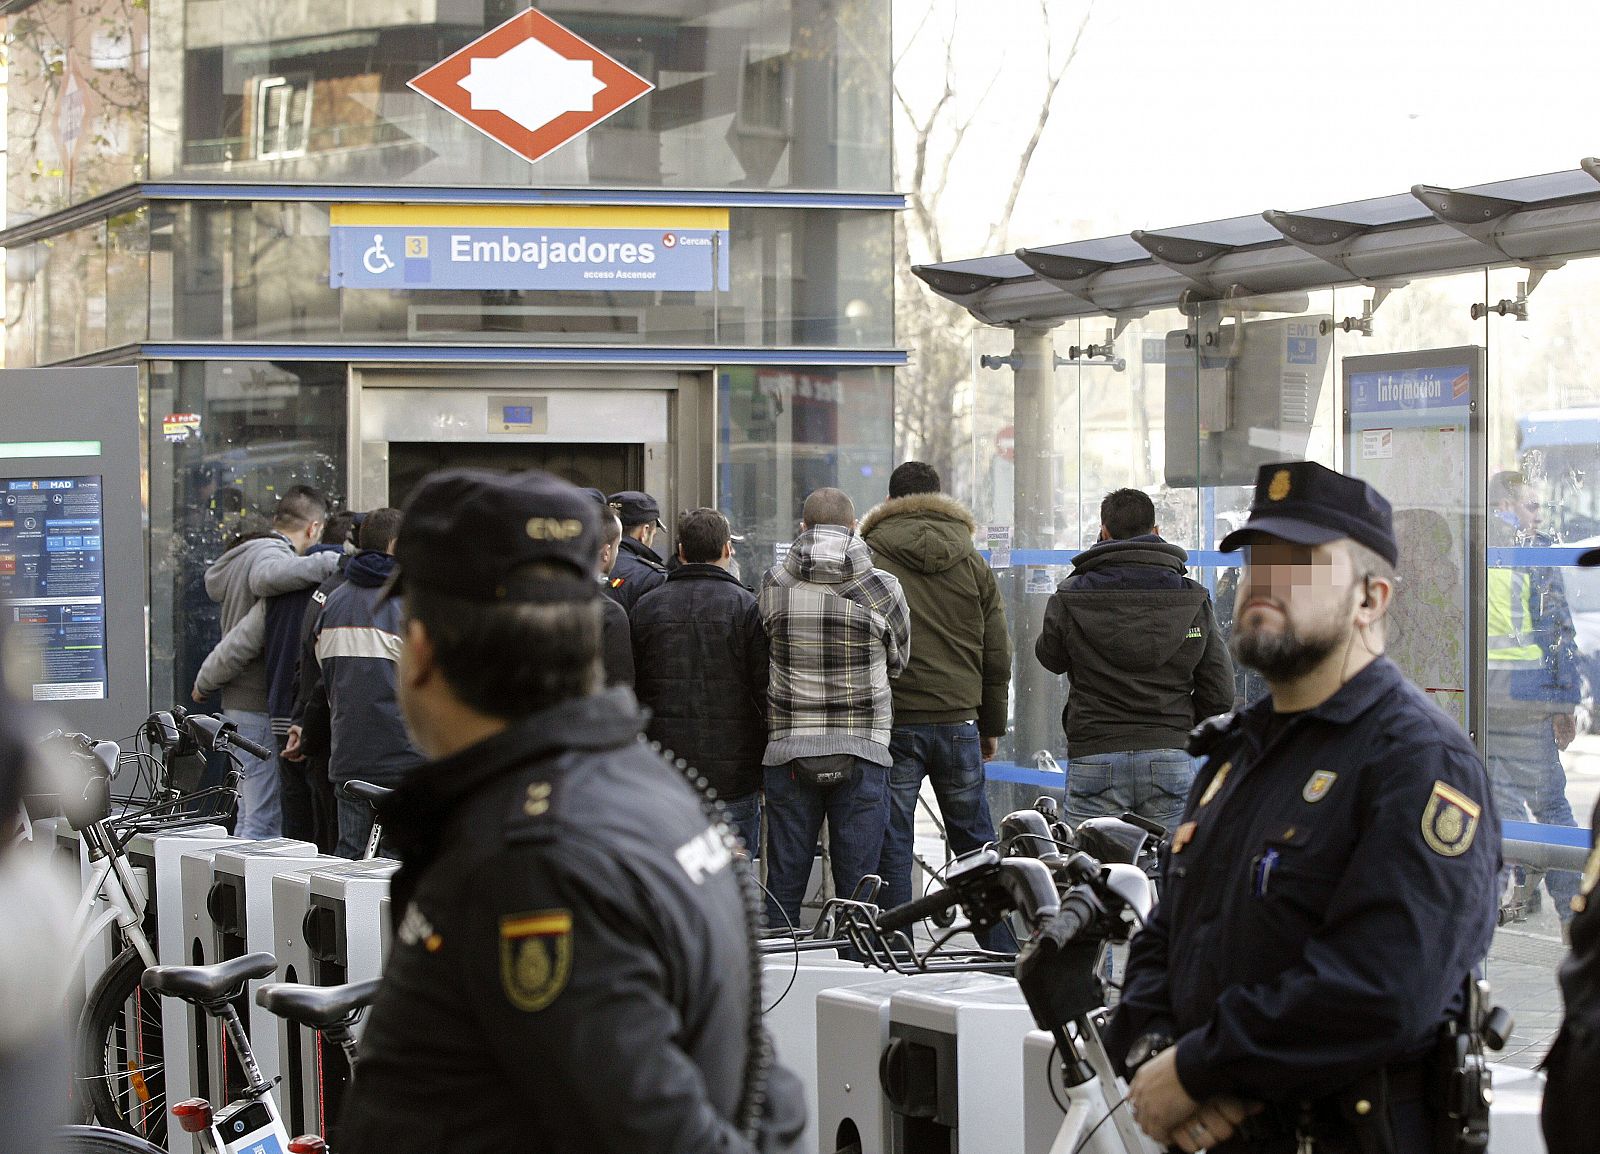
(53, 584)
(1401, 410)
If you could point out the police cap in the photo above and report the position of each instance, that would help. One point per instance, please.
(635, 508)
(1310, 504)
(466, 532)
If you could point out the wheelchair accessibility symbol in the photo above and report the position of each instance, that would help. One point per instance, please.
(375, 260)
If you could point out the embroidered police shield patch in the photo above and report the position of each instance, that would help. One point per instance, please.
(1319, 784)
(1450, 821)
(535, 957)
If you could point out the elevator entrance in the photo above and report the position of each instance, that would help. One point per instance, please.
(604, 427)
(609, 468)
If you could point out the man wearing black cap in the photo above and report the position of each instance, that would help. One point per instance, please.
(571, 968)
(638, 568)
(1573, 1065)
(1331, 888)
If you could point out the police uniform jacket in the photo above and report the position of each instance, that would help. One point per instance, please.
(637, 571)
(571, 962)
(1322, 904)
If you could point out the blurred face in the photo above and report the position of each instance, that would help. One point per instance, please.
(1295, 606)
(1526, 507)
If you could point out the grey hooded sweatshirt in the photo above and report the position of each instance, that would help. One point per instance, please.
(1140, 646)
(253, 569)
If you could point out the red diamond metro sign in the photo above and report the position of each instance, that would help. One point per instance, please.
(531, 85)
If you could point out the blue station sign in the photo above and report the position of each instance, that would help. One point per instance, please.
(530, 247)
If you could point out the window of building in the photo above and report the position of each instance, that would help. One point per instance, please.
(282, 123)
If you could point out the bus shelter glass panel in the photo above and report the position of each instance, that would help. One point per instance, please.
(227, 439)
(259, 271)
(788, 94)
(77, 102)
(783, 432)
(1417, 395)
(1542, 611)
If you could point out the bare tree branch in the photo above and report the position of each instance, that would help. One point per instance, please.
(1054, 76)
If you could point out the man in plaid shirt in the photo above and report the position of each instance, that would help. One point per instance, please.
(839, 631)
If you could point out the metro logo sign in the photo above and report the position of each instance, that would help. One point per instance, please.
(531, 85)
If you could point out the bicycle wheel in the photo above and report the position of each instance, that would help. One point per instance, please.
(97, 1140)
(120, 1069)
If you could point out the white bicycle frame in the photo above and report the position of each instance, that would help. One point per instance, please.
(113, 883)
(1085, 1130)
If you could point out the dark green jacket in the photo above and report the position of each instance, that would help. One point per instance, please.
(960, 665)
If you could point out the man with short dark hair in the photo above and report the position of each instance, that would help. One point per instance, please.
(1330, 894)
(272, 631)
(357, 640)
(1145, 664)
(572, 957)
(950, 704)
(637, 568)
(839, 632)
(264, 567)
(701, 655)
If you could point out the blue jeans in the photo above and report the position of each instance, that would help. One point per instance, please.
(259, 814)
(1530, 784)
(951, 756)
(744, 815)
(355, 826)
(1153, 783)
(856, 815)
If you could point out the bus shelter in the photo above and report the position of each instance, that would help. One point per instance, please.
(1440, 343)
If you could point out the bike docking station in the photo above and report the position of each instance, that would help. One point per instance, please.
(244, 918)
(343, 937)
(791, 982)
(854, 1027)
(199, 1063)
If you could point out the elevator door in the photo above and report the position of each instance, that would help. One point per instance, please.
(609, 468)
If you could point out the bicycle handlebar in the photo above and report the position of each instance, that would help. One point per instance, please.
(217, 733)
(914, 911)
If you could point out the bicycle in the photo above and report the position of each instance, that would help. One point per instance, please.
(251, 1122)
(1071, 906)
(118, 1069)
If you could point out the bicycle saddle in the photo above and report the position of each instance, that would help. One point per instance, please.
(208, 984)
(316, 1006)
(365, 791)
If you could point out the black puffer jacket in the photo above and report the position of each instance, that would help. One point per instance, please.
(700, 667)
(1138, 642)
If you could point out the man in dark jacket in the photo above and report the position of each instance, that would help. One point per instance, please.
(1145, 662)
(358, 641)
(272, 563)
(701, 655)
(950, 703)
(571, 966)
(308, 809)
(638, 568)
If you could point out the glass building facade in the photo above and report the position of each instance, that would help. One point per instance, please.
(173, 176)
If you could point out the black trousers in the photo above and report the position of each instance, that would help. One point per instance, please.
(309, 810)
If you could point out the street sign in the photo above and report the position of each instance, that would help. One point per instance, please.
(531, 85)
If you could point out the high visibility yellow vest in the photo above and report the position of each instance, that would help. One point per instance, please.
(1512, 640)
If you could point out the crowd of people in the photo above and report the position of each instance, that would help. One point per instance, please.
(566, 902)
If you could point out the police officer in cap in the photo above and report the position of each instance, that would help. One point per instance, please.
(572, 963)
(638, 569)
(1573, 1065)
(1331, 887)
